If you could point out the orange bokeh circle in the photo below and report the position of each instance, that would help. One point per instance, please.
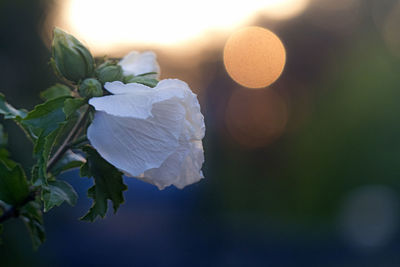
(254, 57)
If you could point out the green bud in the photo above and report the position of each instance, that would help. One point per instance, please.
(71, 58)
(90, 88)
(108, 72)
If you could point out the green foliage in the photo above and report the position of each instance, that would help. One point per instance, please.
(148, 81)
(5, 158)
(108, 184)
(17, 115)
(50, 122)
(13, 184)
(70, 160)
(45, 121)
(148, 74)
(55, 91)
(3, 136)
(56, 192)
(32, 216)
(14, 190)
(9, 111)
(72, 104)
(46, 117)
(57, 128)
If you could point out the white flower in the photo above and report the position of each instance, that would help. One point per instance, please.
(153, 134)
(136, 63)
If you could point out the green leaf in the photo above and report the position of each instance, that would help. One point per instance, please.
(56, 193)
(4, 154)
(17, 115)
(148, 81)
(108, 184)
(71, 105)
(42, 149)
(13, 184)
(9, 111)
(151, 74)
(46, 117)
(3, 137)
(46, 121)
(32, 216)
(38, 174)
(56, 91)
(5, 158)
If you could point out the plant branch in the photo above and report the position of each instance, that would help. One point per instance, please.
(67, 142)
(81, 140)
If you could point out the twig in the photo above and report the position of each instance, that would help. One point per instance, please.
(66, 144)
(78, 141)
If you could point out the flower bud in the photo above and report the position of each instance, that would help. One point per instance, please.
(90, 88)
(72, 59)
(108, 72)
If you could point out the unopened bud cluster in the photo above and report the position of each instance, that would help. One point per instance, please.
(74, 62)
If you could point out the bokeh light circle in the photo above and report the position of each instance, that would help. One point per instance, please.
(254, 57)
(255, 118)
(369, 217)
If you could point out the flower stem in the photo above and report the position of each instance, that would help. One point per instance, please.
(67, 142)
(79, 141)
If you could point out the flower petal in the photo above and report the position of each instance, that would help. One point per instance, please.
(182, 168)
(175, 88)
(118, 88)
(137, 104)
(136, 145)
(136, 63)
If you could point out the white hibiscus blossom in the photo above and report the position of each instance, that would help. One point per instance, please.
(154, 134)
(136, 63)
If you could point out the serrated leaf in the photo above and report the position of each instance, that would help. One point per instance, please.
(108, 184)
(46, 117)
(17, 115)
(13, 184)
(151, 82)
(56, 193)
(9, 111)
(55, 91)
(46, 121)
(71, 105)
(32, 216)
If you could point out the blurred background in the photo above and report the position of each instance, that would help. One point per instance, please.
(303, 172)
